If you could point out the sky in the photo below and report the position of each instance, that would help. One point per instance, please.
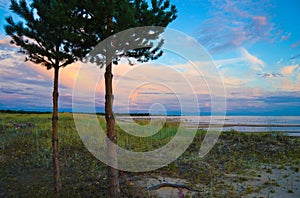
(246, 54)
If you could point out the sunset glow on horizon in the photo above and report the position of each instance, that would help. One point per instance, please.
(254, 46)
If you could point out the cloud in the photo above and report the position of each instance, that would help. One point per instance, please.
(270, 75)
(291, 80)
(260, 20)
(225, 62)
(235, 23)
(242, 70)
(29, 86)
(4, 4)
(5, 42)
(288, 70)
(286, 36)
(289, 84)
(25, 85)
(296, 44)
(256, 63)
(140, 86)
(281, 103)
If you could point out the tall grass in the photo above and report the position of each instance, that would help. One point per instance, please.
(26, 163)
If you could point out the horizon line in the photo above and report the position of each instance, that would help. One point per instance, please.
(149, 114)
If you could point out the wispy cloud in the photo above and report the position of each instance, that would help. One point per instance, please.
(270, 75)
(296, 44)
(4, 4)
(241, 70)
(286, 36)
(234, 23)
(256, 63)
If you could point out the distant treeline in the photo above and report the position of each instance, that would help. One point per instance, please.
(46, 112)
(131, 114)
(24, 112)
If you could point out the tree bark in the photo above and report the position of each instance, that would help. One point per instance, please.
(57, 182)
(111, 134)
(114, 190)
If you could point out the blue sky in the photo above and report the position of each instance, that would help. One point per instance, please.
(254, 45)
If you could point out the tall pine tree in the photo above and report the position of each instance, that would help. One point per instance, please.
(50, 34)
(108, 17)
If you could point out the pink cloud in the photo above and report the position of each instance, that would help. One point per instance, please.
(285, 36)
(296, 44)
(261, 20)
(5, 41)
(288, 84)
(235, 23)
(288, 70)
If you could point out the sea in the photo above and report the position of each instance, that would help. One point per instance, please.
(289, 125)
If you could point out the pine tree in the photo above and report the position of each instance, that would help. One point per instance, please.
(108, 17)
(50, 35)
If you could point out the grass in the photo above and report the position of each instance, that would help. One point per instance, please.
(26, 163)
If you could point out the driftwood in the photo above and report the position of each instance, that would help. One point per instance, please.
(173, 185)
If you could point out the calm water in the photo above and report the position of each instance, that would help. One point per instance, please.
(285, 124)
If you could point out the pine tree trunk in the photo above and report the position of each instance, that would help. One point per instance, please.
(111, 134)
(57, 184)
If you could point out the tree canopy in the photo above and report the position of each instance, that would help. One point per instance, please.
(108, 17)
(49, 33)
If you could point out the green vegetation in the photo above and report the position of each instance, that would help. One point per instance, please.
(26, 160)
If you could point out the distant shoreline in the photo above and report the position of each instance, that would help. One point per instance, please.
(250, 125)
(228, 114)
